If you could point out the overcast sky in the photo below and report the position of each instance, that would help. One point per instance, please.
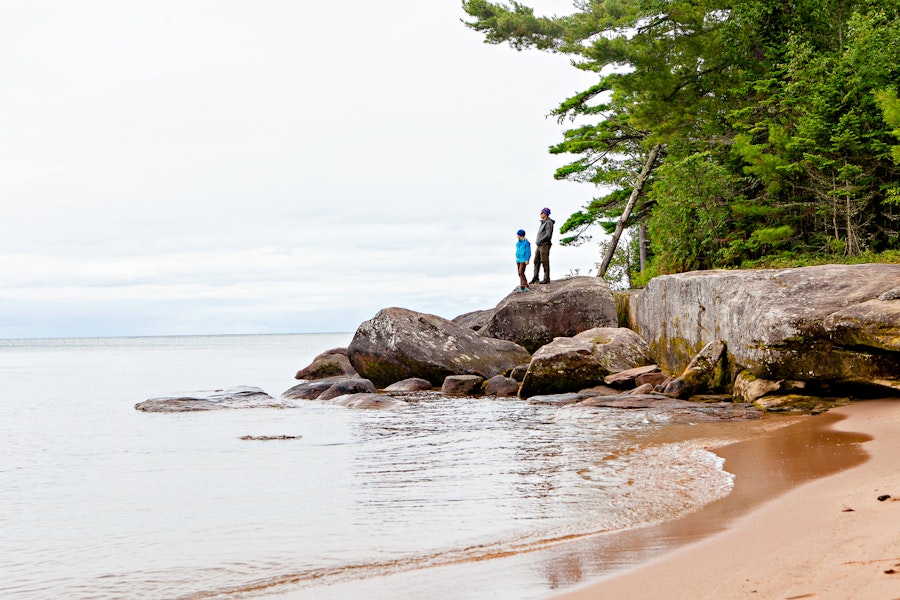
(207, 167)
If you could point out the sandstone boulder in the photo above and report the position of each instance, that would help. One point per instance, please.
(413, 384)
(462, 385)
(700, 374)
(331, 387)
(559, 309)
(398, 344)
(627, 378)
(503, 387)
(331, 363)
(575, 363)
(348, 386)
(748, 388)
(821, 323)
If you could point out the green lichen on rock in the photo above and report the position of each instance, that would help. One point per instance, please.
(799, 403)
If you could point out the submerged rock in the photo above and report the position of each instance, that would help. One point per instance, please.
(559, 309)
(235, 397)
(367, 401)
(398, 344)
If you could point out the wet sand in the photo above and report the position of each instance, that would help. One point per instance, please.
(828, 538)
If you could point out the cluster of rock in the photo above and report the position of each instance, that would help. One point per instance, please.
(775, 338)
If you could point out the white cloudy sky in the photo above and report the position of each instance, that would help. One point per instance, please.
(189, 166)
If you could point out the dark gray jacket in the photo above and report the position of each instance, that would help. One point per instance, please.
(545, 232)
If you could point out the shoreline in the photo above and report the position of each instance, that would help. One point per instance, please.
(767, 457)
(827, 538)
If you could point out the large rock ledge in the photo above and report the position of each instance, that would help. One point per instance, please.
(824, 323)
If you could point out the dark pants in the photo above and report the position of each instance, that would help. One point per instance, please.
(523, 281)
(542, 257)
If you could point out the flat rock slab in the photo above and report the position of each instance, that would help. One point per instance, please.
(678, 410)
(236, 397)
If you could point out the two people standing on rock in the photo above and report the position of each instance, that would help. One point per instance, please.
(541, 254)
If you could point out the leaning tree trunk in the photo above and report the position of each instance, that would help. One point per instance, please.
(635, 192)
(643, 246)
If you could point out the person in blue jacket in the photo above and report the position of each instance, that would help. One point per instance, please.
(523, 255)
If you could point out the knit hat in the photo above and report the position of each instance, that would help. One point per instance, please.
(521, 232)
(545, 211)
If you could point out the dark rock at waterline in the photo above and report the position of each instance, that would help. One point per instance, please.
(311, 390)
(503, 387)
(559, 309)
(518, 373)
(348, 386)
(331, 363)
(571, 364)
(367, 401)
(462, 385)
(413, 384)
(329, 388)
(821, 323)
(235, 397)
(398, 344)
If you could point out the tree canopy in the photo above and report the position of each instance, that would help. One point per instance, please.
(776, 125)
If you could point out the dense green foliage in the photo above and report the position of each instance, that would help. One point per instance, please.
(780, 122)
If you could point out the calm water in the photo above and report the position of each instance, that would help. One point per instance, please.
(98, 500)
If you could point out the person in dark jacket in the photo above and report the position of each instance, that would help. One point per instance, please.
(542, 247)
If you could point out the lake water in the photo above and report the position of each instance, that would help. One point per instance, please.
(98, 500)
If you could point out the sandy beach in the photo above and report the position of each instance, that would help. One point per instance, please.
(829, 538)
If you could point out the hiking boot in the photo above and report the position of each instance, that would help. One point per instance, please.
(525, 289)
(533, 280)
(544, 281)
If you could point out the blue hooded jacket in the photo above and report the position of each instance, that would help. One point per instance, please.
(523, 251)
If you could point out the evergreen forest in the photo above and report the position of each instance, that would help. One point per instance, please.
(726, 133)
